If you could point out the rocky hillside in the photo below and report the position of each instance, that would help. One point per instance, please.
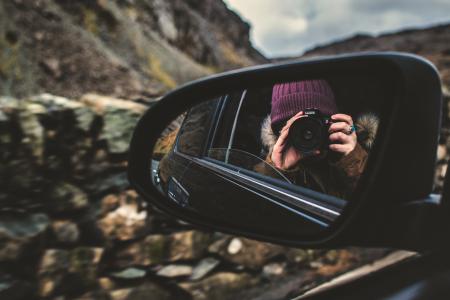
(432, 43)
(126, 48)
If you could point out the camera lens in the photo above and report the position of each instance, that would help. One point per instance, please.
(306, 134)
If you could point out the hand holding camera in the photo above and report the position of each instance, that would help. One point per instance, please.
(310, 133)
(342, 134)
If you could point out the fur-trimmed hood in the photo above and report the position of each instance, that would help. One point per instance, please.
(366, 130)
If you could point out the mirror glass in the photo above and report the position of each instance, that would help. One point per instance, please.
(284, 159)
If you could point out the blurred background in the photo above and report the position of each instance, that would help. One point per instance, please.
(75, 76)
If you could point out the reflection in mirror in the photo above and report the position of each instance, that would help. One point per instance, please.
(264, 153)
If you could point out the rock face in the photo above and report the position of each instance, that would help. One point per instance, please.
(132, 49)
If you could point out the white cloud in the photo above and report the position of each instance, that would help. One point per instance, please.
(288, 27)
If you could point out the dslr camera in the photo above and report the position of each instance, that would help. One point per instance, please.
(310, 132)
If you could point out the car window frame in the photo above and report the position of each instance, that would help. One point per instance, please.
(295, 198)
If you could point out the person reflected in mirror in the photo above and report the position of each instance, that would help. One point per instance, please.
(313, 144)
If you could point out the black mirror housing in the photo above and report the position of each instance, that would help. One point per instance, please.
(399, 172)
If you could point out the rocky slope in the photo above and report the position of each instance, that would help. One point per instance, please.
(126, 48)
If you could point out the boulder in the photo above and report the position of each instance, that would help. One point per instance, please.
(93, 295)
(109, 203)
(127, 221)
(52, 270)
(204, 267)
(33, 133)
(187, 245)
(65, 231)
(145, 291)
(235, 246)
(68, 271)
(109, 183)
(66, 197)
(119, 119)
(442, 152)
(274, 269)
(129, 273)
(157, 249)
(21, 233)
(335, 262)
(106, 283)
(301, 256)
(219, 286)
(248, 253)
(14, 289)
(149, 251)
(172, 271)
(83, 114)
(220, 242)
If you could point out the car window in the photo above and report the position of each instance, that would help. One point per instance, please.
(234, 141)
(196, 128)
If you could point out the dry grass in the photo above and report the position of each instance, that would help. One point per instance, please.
(90, 21)
(157, 71)
(231, 55)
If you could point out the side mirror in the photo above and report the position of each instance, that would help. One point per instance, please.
(323, 152)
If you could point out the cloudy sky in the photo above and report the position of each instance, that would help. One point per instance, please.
(288, 27)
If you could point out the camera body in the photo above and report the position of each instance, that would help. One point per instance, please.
(310, 132)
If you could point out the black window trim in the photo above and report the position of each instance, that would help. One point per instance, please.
(218, 118)
(233, 129)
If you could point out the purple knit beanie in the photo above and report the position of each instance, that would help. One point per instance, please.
(291, 97)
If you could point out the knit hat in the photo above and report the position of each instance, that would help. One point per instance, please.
(291, 97)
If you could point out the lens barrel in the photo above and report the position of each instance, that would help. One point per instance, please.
(308, 134)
